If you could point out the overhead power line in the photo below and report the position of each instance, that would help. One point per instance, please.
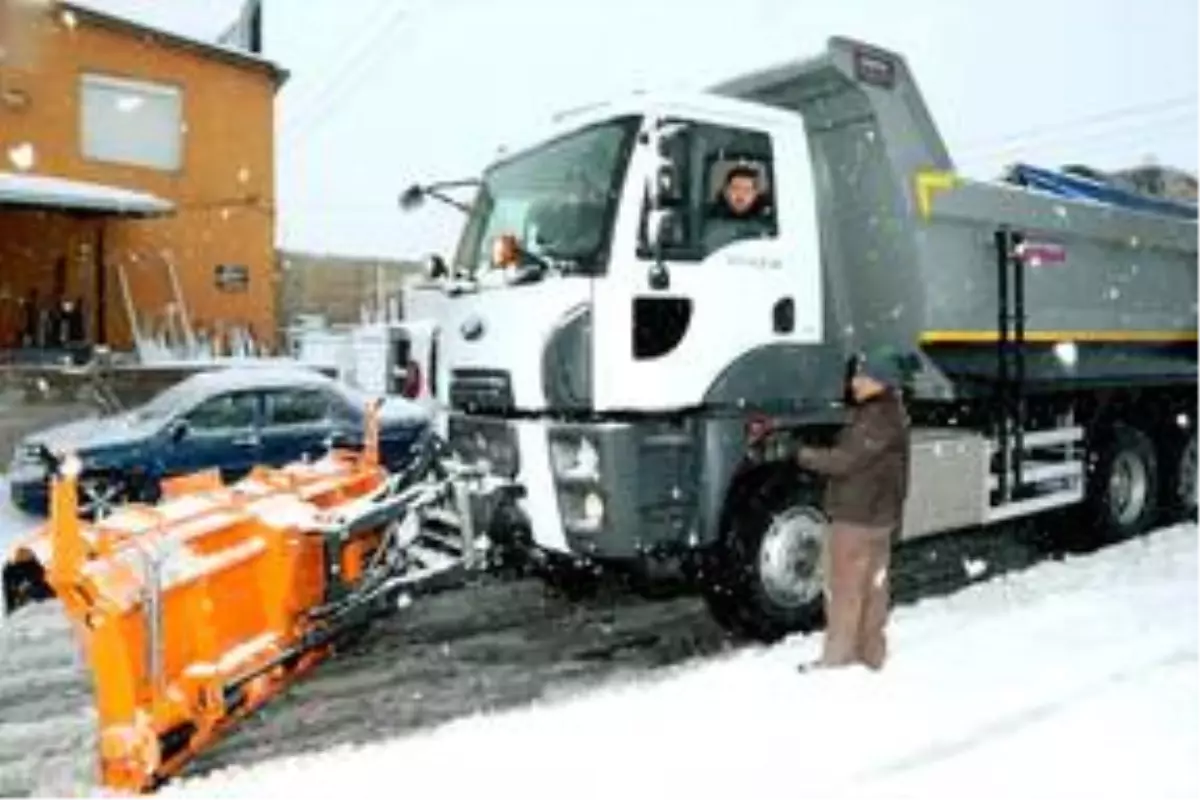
(346, 83)
(1169, 106)
(349, 49)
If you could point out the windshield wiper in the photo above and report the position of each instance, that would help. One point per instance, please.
(414, 196)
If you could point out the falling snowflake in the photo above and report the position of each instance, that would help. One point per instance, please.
(1113, 293)
(22, 156)
(244, 175)
(1067, 353)
(69, 19)
(974, 567)
(1061, 211)
(1134, 241)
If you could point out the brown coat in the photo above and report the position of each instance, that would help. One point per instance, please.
(867, 467)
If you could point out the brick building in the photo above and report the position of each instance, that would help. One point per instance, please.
(136, 170)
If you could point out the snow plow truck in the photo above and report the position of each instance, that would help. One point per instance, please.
(621, 387)
(647, 382)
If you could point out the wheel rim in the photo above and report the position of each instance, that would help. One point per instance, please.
(1128, 487)
(1187, 476)
(789, 558)
(98, 497)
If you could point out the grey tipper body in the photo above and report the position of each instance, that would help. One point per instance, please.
(647, 395)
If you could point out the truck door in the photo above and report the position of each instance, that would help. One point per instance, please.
(737, 269)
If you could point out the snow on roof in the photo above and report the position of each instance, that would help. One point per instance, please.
(202, 20)
(47, 192)
(198, 24)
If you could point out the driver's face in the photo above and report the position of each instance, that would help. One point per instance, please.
(740, 194)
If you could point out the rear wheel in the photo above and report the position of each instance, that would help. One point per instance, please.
(1181, 486)
(767, 576)
(1123, 489)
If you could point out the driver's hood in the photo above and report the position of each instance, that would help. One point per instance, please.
(507, 329)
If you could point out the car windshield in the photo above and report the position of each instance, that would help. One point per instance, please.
(166, 403)
(558, 199)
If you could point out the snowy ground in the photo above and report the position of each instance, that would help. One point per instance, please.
(1072, 679)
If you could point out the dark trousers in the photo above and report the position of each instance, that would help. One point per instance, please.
(857, 595)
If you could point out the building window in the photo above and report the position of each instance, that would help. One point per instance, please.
(132, 122)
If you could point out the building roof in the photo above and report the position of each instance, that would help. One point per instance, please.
(178, 24)
(18, 190)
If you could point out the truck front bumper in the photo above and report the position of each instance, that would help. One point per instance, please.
(602, 490)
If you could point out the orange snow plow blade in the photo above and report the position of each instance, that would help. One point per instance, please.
(195, 612)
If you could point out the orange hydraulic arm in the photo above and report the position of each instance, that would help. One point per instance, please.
(195, 612)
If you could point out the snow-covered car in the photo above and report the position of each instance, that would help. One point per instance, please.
(229, 419)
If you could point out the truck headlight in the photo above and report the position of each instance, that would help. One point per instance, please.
(575, 459)
(593, 508)
(582, 511)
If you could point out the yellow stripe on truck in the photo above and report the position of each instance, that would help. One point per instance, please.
(1051, 337)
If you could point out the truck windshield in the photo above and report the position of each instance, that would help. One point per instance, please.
(558, 199)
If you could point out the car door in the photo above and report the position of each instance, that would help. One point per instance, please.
(296, 424)
(221, 431)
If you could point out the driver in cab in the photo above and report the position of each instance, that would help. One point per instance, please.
(740, 212)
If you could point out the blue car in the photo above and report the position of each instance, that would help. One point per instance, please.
(230, 419)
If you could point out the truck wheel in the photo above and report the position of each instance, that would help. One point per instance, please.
(766, 579)
(1123, 489)
(1182, 497)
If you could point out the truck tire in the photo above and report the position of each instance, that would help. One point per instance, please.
(1123, 488)
(1181, 485)
(765, 579)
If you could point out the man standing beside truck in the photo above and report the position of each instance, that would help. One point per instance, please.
(867, 472)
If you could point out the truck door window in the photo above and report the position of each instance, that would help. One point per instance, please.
(728, 186)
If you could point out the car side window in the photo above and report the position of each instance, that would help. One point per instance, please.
(224, 412)
(727, 184)
(296, 407)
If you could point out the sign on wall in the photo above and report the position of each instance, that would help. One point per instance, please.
(232, 277)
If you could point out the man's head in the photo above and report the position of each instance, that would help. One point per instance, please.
(875, 372)
(741, 190)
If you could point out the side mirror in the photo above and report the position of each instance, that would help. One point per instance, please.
(412, 198)
(667, 191)
(671, 147)
(664, 229)
(179, 430)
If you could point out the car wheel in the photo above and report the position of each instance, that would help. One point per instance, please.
(100, 494)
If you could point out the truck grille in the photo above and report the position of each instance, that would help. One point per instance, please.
(481, 391)
(493, 441)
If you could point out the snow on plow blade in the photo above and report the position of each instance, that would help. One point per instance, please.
(195, 612)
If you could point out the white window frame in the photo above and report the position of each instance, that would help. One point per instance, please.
(90, 144)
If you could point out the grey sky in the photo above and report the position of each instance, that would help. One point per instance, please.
(385, 92)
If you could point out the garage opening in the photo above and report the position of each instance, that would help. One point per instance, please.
(57, 292)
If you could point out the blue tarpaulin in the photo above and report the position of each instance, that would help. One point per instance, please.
(1083, 188)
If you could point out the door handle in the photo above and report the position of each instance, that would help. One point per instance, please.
(246, 441)
(783, 315)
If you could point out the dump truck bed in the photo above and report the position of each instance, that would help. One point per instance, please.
(910, 253)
